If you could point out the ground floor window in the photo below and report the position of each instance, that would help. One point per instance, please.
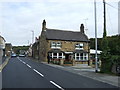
(56, 55)
(81, 56)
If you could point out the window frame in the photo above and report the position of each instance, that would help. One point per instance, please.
(79, 46)
(55, 44)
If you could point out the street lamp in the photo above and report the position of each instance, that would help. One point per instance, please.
(96, 60)
(32, 36)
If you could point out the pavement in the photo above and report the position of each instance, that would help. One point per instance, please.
(21, 72)
(89, 72)
(4, 62)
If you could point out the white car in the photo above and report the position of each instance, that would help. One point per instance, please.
(14, 55)
(21, 55)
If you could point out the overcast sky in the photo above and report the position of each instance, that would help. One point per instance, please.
(17, 19)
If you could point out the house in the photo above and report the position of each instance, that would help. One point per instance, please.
(29, 52)
(35, 49)
(8, 49)
(64, 47)
(2, 47)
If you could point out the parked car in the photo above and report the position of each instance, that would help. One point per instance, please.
(13, 55)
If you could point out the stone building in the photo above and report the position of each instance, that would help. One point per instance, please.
(2, 47)
(35, 49)
(29, 52)
(64, 46)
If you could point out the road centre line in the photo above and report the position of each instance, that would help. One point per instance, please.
(42, 75)
(23, 62)
(56, 85)
(38, 73)
(28, 65)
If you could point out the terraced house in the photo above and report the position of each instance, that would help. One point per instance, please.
(64, 47)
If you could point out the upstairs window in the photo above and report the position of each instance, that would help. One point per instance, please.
(55, 44)
(79, 46)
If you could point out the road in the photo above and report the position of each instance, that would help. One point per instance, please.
(22, 72)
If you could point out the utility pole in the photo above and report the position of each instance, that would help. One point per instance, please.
(32, 36)
(104, 19)
(96, 59)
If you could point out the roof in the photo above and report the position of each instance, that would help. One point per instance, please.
(55, 51)
(92, 51)
(55, 34)
(2, 37)
(80, 51)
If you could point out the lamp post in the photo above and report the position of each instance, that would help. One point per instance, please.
(96, 59)
(32, 36)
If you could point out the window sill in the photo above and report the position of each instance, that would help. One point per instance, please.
(79, 48)
(56, 47)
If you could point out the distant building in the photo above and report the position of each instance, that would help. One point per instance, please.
(92, 55)
(29, 52)
(2, 47)
(64, 46)
(8, 49)
(35, 49)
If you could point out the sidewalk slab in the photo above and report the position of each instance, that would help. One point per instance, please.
(4, 63)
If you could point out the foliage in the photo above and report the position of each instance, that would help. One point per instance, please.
(16, 49)
(110, 46)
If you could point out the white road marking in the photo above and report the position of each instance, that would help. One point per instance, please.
(28, 65)
(38, 72)
(23, 62)
(56, 85)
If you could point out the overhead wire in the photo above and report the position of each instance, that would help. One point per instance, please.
(113, 6)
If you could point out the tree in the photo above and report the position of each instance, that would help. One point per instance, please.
(106, 63)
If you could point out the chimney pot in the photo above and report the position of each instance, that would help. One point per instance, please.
(44, 25)
(82, 28)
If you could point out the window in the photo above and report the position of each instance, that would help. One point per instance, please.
(58, 44)
(60, 55)
(79, 46)
(81, 56)
(55, 44)
(57, 55)
(54, 55)
(85, 57)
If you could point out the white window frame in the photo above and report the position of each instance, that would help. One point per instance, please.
(56, 45)
(78, 46)
(83, 57)
(58, 56)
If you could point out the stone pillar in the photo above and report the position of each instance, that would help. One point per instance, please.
(61, 62)
(90, 63)
(73, 62)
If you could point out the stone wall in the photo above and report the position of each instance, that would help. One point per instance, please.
(43, 47)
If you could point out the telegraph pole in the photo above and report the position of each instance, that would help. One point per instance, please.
(104, 18)
(96, 59)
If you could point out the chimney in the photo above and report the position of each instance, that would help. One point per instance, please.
(82, 28)
(44, 25)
